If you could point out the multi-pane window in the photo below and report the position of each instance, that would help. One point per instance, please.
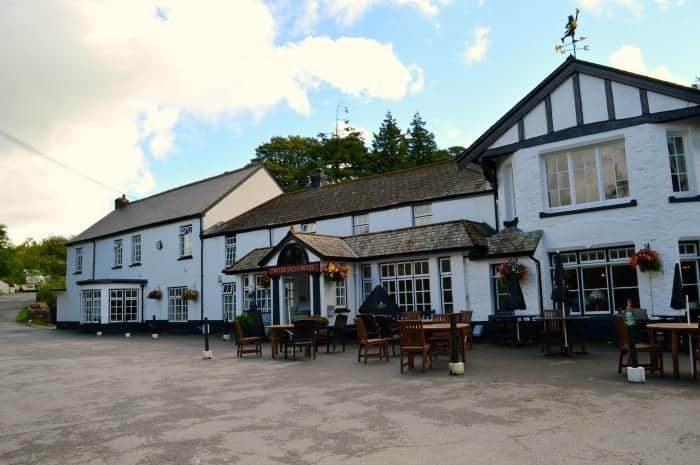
(446, 285)
(229, 301)
(308, 227)
(500, 290)
(588, 174)
(408, 283)
(600, 280)
(422, 214)
(186, 240)
(360, 224)
(246, 293)
(177, 306)
(79, 260)
(679, 164)
(230, 250)
(290, 294)
(690, 271)
(340, 296)
(263, 298)
(123, 305)
(117, 252)
(366, 271)
(90, 305)
(136, 250)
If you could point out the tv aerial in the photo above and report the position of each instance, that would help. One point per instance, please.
(573, 45)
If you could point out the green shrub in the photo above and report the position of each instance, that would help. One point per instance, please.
(46, 293)
(22, 315)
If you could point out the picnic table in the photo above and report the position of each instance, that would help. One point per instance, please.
(675, 329)
(582, 319)
(274, 335)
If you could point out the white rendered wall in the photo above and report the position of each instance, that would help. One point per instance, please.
(653, 220)
(563, 108)
(535, 121)
(593, 100)
(627, 101)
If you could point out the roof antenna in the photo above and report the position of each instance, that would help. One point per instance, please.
(570, 32)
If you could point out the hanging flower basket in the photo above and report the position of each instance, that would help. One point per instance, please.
(265, 280)
(335, 271)
(646, 260)
(190, 294)
(155, 294)
(513, 270)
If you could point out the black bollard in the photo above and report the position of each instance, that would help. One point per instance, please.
(206, 334)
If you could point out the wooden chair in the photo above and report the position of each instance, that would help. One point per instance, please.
(656, 352)
(413, 342)
(412, 316)
(441, 342)
(303, 336)
(441, 318)
(333, 333)
(552, 331)
(366, 343)
(696, 356)
(388, 329)
(370, 324)
(242, 342)
(465, 316)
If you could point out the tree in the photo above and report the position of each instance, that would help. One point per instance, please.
(292, 160)
(5, 253)
(422, 148)
(389, 147)
(47, 258)
(344, 157)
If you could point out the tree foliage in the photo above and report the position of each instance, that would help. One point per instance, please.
(293, 160)
(47, 258)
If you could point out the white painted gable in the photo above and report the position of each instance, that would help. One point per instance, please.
(593, 100)
(659, 102)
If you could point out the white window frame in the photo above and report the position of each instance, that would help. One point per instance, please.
(676, 156)
(447, 291)
(118, 252)
(341, 294)
(136, 249)
(307, 227)
(228, 294)
(78, 259)
(366, 277)
(124, 305)
(360, 224)
(246, 292)
(178, 308)
(230, 250)
(571, 176)
(91, 305)
(411, 289)
(421, 218)
(186, 241)
(263, 295)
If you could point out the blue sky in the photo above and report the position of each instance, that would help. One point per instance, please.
(151, 94)
(459, 101)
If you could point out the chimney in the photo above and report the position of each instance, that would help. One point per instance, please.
(120, 202)
(318, 179)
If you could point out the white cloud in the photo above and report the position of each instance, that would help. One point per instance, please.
(476, 50)
(419, 81)
(90, 83)
(630, 58)
(635, 7)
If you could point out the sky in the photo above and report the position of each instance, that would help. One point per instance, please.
(136, 97)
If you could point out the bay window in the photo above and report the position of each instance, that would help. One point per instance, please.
(123, 305)
(408, 283)
(90, 303)
(584, 175)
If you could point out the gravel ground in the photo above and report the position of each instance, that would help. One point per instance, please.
(71, 398)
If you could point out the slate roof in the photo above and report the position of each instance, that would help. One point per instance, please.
(438, 180)
(452, 235)
(512, 241)
(249, 262)
(181, 202)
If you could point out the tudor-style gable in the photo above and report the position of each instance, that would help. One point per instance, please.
(581, 98)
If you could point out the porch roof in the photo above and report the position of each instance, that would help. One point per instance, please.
(511, 241)
(249, 262)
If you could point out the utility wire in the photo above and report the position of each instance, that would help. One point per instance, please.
(41, 154)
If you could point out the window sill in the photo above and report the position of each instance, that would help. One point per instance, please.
(116, 267)
(77, 272)
(683, 199)
(185, 257)
(134, 264)
(612, 206)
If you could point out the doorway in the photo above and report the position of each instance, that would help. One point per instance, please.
(297, 296)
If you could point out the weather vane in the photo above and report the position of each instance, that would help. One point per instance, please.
(570, 32)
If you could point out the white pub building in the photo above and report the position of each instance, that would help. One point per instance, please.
(594, 162)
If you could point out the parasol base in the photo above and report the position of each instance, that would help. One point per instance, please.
(207, 355)
(98, 333)
(456, 368)
(635, 375)
(227, 337)
(154, 335)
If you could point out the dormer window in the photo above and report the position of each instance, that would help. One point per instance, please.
(307, 227)
(360, 224)
(422, 214)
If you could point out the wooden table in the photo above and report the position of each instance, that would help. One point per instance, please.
(674, 329)
(430, 327)
(274, 331)
(582, 318)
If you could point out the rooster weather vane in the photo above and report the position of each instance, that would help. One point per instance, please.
(570, 32)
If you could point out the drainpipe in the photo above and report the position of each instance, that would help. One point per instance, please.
(201, 269)
(539, 283)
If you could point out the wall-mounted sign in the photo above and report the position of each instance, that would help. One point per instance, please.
(291, 269)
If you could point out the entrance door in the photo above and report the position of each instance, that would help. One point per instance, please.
(297, 301)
